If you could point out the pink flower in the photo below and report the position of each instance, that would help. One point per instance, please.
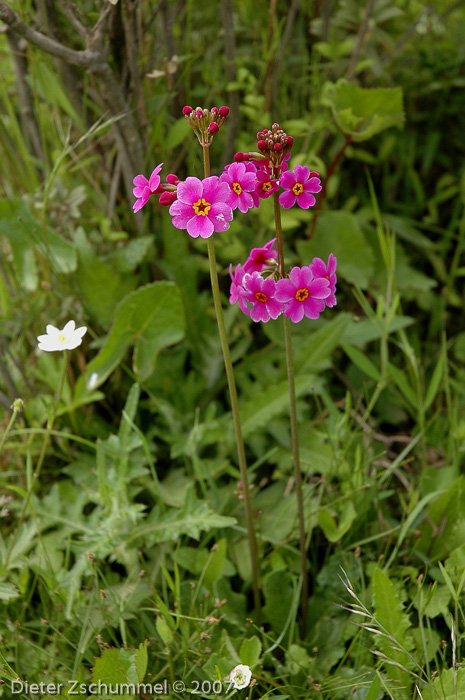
(265, 185)
(261, 293)
(302, 294)
(144, 188)
(319, 269)
(236, 289)
(242, 184)
(201, 206)
(260, 258)
(300, 185)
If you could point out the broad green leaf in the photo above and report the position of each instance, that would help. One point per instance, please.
(359, 333)
(339, 232)
(315, 353)
(100, 286)
(278, 589)
(446, 683)
(116, 667)
(401, 381)
(297, 659)
(374, 689)
(177, 133)
(364, 112)
(131, 254)
(150, 318)
(250, 651)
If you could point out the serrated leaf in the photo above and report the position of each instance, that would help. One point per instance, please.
(364, 112)
(150, 319)
(395, 623)
(141, 660)
(195, 517)
(164, 630)
(446, 682)
(250, 651)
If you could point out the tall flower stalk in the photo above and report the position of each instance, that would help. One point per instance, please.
(293, 422)
(234, 403)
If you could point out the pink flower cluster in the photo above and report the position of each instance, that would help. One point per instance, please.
(306, 292)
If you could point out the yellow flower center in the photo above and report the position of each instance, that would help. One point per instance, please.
(298, 188)
(260, 296)
(236, 187)
(301, 294)
(62, 338)
(266, 186)
(201, 207)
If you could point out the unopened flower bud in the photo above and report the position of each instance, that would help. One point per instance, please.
(213, 128)
(224, 111)
(289, 141)
(239, 157)
(172, 179)
(277, 147)
(214, 110)
(199, 113)
(187, 110)
(261, 145)
(167, 198)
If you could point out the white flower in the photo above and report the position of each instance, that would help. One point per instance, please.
(240, 676)
(67, 339)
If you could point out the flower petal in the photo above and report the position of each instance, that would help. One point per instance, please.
(200, 226)
(305, 200)
(287, 180)
(287, 199)
(190, 191)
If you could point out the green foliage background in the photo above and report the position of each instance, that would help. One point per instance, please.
(130, 562)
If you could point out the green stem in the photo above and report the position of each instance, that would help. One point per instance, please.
(234, 406)
(294, 431)
(40, 461)
(17, 407)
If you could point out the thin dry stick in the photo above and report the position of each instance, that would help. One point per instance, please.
(359, 40)
(291, 15)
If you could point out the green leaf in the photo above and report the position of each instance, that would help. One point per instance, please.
(129, 256)
(141, 660)
(329, 526)
(315, 352)
(339, 232)
(435, 381)
(278, 589)
(250, 651)
(362, 362)
(447, 681)
(8, 591)
(50, 88)
(400, 380)
(164, 630)
(215, 565)
(364, 112)
(116, 667)
(100, 286)
(177, 133)
(274, 401)
(195, 517)
(150, 318)
(395, 642)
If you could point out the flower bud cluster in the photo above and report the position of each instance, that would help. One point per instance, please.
(274, 144)
(205, 122)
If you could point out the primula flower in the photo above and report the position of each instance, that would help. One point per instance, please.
(242, 184)
(261, 293)
(67, 339)
(300, 185)
(302, 294)
(236, 290)
(144, 188)
(240, 676)
(320, 269)
(261, 257)
(265, 185)
(201, 206)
